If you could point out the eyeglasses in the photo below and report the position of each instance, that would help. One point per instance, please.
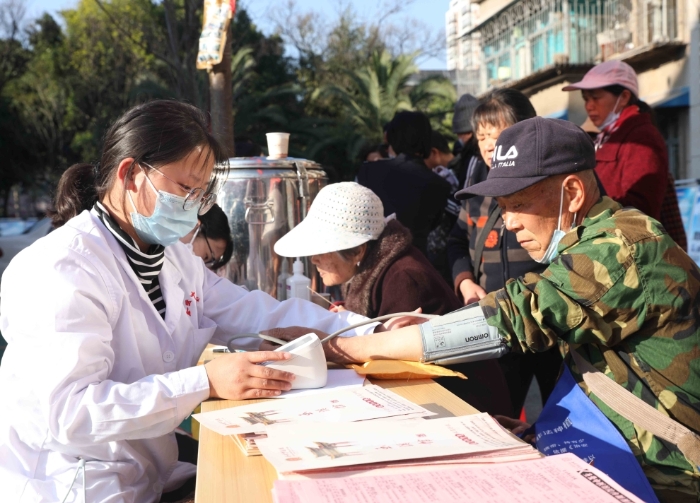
(195, 196)
(213, 263)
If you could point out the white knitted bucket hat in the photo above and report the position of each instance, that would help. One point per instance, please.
(342, 216)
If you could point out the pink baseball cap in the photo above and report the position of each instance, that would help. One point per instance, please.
(607, 74)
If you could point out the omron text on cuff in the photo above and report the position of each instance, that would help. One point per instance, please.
(461, 336)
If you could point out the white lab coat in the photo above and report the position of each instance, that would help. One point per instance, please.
(92, 371)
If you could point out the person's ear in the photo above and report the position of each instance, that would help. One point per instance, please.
(625, 98)
(126, 175)
(574, 187)
(361, 252)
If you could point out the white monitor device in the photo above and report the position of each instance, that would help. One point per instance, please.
(308, 362)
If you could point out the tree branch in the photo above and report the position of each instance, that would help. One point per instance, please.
(170, 25)
(145, 46)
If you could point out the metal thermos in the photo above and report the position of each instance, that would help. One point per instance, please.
(264, 199)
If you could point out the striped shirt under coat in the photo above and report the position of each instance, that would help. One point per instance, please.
(146, 265)
(503, 257)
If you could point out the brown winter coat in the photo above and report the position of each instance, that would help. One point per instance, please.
(395, 276)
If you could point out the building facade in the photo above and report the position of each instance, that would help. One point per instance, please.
(463, 52)
(538, 46)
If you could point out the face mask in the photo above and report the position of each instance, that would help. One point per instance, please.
(612, 116)
(551, 252)
(169, 221)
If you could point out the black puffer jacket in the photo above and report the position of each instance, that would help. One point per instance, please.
(410, 189)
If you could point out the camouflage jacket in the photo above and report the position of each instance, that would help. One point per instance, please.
(625, 296)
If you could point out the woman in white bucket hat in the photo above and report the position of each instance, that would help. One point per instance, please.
(381, 272)
(631, 156)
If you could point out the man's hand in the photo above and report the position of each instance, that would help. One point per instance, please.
(471, 292)
(287, 334)
(238, 376)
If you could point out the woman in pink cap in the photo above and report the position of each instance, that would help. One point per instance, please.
(631, 156)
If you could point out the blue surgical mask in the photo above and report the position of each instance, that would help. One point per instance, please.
(552, 250)
(169, 221)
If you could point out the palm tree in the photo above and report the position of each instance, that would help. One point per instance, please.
(380, 89)
(375, 93)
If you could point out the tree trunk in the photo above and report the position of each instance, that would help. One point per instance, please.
(221, 98)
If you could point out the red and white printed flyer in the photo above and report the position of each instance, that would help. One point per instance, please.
(356, 404)
(316, 446)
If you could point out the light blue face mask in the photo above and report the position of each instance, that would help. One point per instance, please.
(612, 116)
(552, 250)
(169, 221)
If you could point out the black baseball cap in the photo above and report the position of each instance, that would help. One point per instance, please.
(530, 151)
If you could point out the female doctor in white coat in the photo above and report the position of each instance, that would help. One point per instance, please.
(106, 317)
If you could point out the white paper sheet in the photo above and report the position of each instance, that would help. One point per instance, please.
(337, 379)
(314, 446)
(356, 404)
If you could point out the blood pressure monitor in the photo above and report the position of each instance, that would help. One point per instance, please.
(308, 362)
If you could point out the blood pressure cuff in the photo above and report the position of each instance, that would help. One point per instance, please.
(461, 336)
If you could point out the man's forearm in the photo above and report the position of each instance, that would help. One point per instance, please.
(401, 344)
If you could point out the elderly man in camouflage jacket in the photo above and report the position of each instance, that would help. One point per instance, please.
(617, 290)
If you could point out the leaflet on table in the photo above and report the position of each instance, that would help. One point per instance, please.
(355, 404)
(246, 441)
(320, 446)
(554, 479)
(523, 453)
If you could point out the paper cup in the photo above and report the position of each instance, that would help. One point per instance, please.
(277, 145)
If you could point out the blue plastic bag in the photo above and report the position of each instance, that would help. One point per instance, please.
(571, 422)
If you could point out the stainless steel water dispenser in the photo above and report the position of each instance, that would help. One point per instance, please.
(264, 199)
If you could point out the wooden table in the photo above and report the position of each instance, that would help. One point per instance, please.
(226, 475)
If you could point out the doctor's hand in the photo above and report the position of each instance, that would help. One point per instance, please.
(471, 292)
(287, 334)
(238, 376)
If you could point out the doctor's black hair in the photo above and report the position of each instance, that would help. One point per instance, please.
(158, 132)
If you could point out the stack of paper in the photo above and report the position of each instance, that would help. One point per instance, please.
(319, 446)
(358, 404)
(564, 478)
(522, 453)
(246, 443)
(355, 404)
